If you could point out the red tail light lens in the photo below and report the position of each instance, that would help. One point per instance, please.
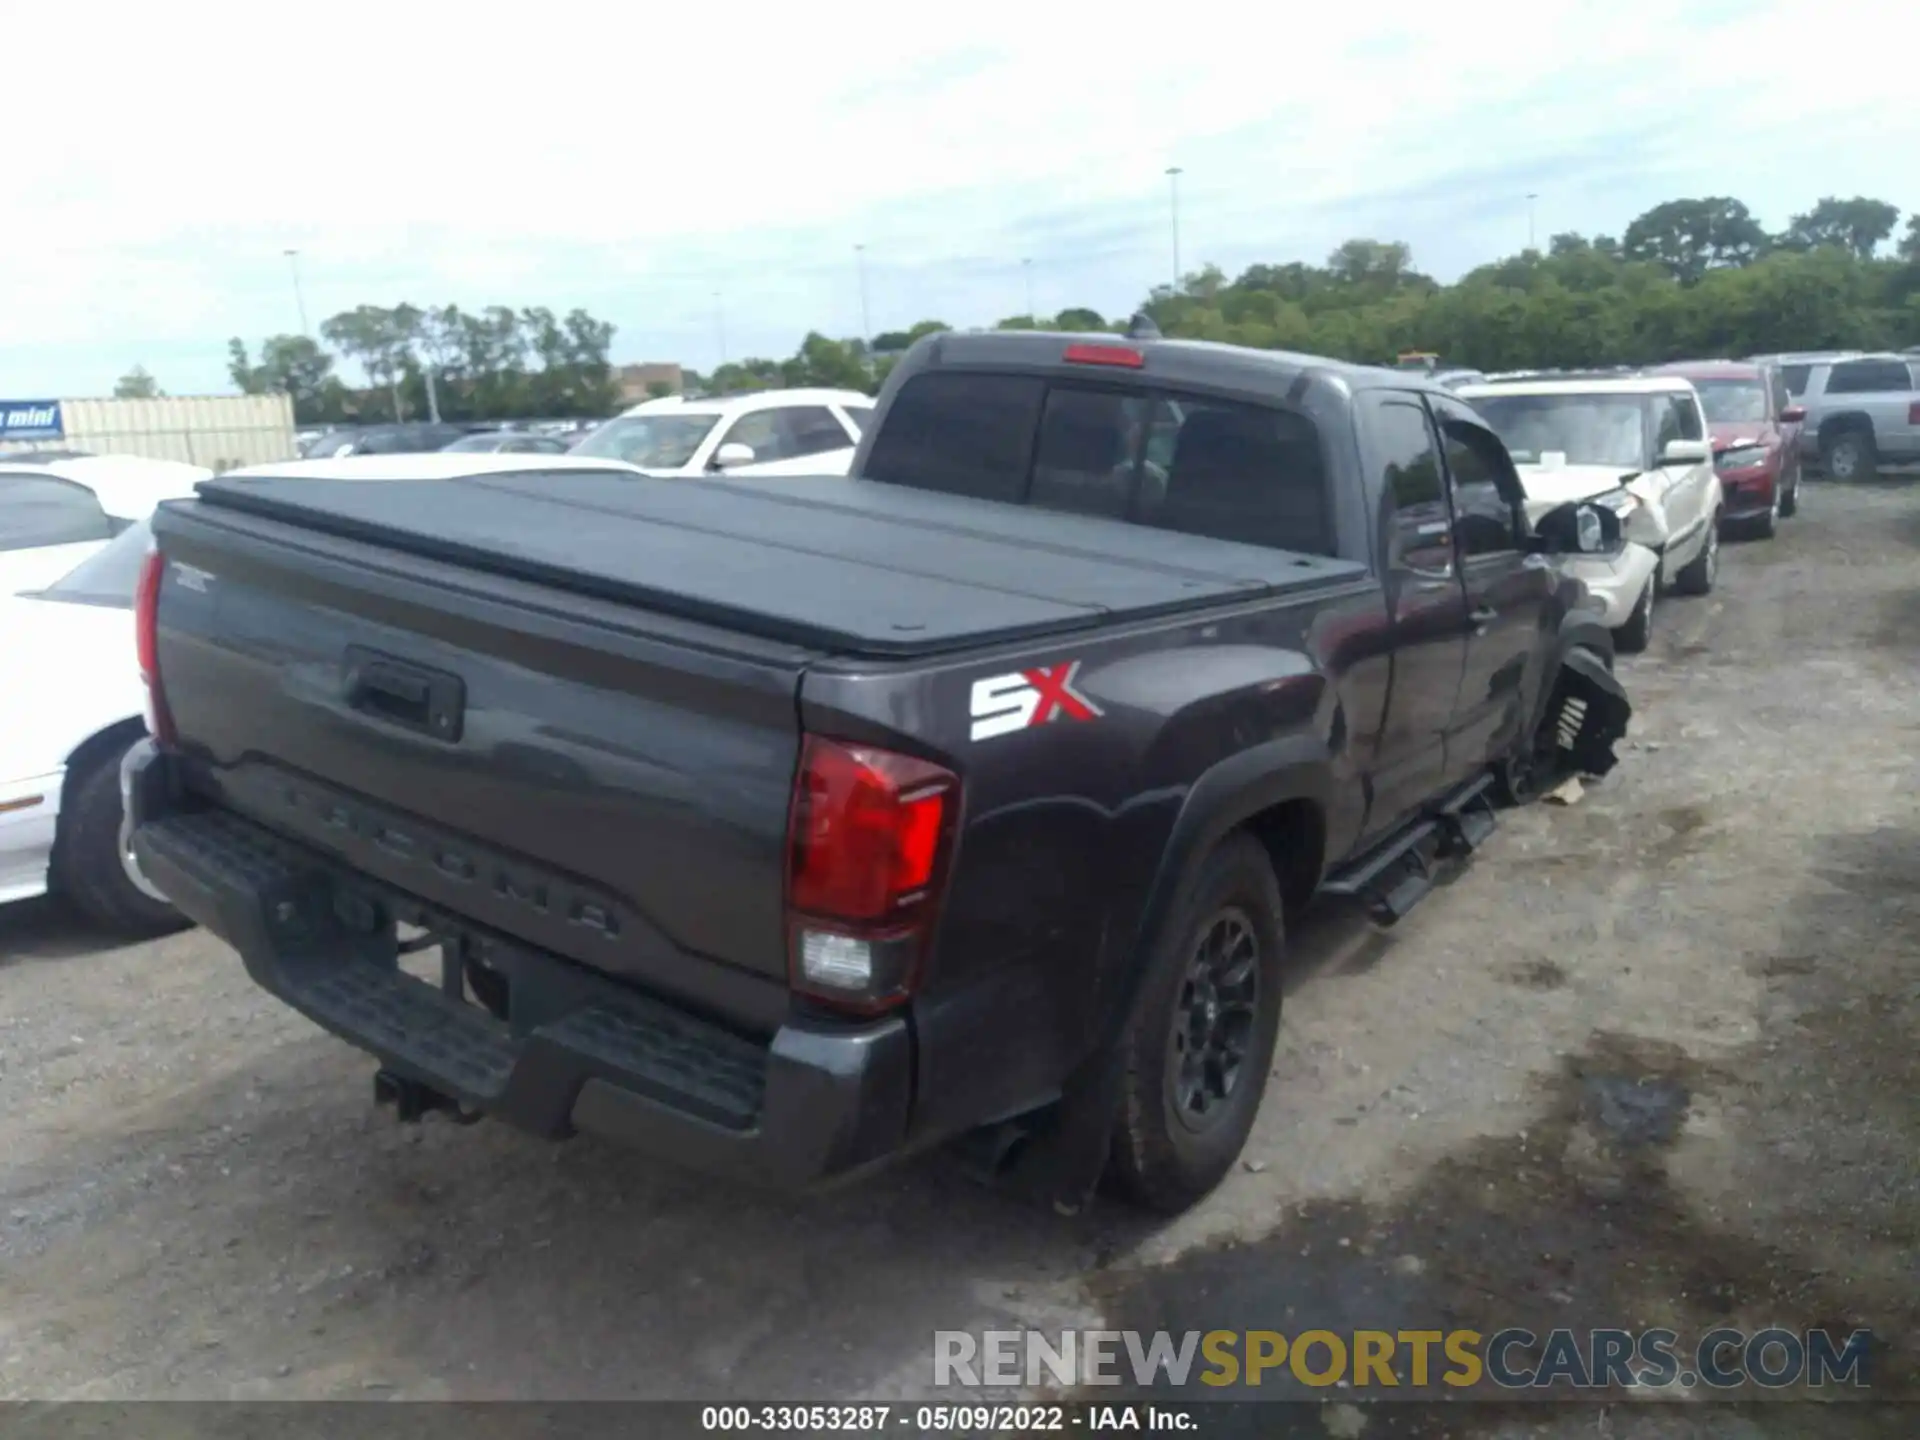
(1913, 413)
(867, 837)
(1124, 356)
(146, 629)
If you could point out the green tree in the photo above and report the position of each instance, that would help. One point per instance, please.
(1690, 237)
(1909, 249)
(1859, 225)
(137, 384)
(296, 366)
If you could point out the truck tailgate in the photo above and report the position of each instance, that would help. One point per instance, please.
(608, 784)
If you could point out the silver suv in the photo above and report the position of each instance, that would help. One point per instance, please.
(1862, 409)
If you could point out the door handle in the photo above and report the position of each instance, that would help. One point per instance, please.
(1482, 616)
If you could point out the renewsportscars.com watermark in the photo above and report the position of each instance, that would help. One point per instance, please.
(1509, 1359)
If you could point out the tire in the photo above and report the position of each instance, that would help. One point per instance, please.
(88, 869)
(1850, 455)
(1174, 1140)
(1696, 577)
(1632, 637)
(1790, 500)
(1762, 527)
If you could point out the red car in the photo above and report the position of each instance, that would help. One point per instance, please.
(1755, 426)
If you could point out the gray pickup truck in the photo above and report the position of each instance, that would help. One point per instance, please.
(1862, 411)
(781, 826)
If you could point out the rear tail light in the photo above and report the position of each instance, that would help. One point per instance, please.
(868, 839)
(1913, 413)
(1124, 356)
(146, 629)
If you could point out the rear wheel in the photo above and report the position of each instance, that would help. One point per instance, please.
(1199, 1051)
(1849, 455)
(90, 871)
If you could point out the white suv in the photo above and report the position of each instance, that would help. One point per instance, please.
(769, 432)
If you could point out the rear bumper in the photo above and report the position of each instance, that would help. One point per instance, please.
(582, 1053)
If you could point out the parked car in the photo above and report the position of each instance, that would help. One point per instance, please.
(1637, 444)
(70, 705)
(783, 827)
(1754, 424)
(410, 438)
(515, 442)
(1862, 412)
(768, 432)
(55, 513)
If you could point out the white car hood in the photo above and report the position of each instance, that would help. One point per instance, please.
(39, 567)
(66, 673)
(1551, 485)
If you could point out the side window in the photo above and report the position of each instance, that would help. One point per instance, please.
(1777, 384)
(1666, 411)
(761, 430)
(1421, 528)
(1089, 441)
(39, 510)
(812, 430)
(858, 416)
(1235, 472)
(1866, 377)
(1794, 377)
(1483, 522)
(1687, 411)
(959, 434)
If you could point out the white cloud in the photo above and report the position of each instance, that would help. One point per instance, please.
(635, 160)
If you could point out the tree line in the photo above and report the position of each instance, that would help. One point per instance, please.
(495, 364)
(1689, 278)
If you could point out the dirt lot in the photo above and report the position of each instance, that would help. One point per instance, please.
(1652, 1059)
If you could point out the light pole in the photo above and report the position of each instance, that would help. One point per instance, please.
(866, 328)
(1531, 197)
(299, 300)
(1026, 273)
(1173, 193)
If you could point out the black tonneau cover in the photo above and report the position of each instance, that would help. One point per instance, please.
(851, 566)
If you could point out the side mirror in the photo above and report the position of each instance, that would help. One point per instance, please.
(1576, 528)
(1687, 452)
(1793, 414)
(732, 455)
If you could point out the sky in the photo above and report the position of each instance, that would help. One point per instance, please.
(702, 178)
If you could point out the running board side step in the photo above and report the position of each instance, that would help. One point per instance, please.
(1396, 876)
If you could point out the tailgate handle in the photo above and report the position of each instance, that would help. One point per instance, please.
(411, 696)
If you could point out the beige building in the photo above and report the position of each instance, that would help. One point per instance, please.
(643, 380)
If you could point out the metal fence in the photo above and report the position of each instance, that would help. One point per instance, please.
(220, 432)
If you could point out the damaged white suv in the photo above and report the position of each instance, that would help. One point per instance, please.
(1637, 444)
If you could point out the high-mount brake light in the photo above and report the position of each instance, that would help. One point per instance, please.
(868, 838)
(1124, 356)
(146, 630)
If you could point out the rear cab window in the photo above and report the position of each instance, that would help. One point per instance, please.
(1193, 464)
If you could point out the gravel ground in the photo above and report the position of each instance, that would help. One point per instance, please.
(1650, 1060)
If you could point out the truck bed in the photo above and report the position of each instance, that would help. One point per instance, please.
(841, 565)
